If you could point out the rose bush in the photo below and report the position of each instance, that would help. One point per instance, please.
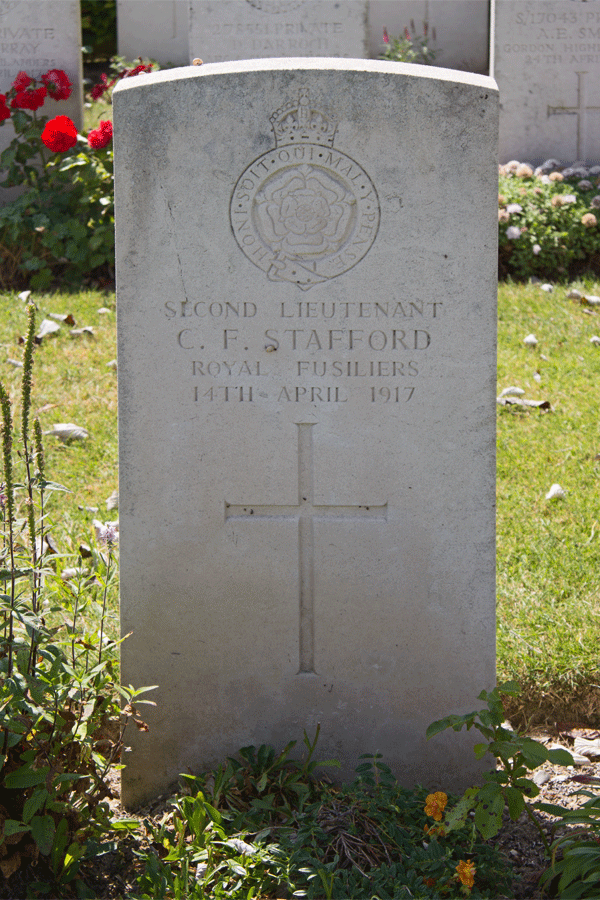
(62, 224)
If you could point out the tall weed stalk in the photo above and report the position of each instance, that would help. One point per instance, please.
(60, 720)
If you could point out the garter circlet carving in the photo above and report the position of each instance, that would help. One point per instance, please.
(304, 212)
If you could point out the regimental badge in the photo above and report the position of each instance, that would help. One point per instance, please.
(304, 212)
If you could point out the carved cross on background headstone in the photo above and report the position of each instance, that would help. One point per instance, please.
(305, 512)
(580, 111)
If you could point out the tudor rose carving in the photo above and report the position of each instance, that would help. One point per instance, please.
(304, 212)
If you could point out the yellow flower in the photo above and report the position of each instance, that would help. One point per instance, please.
(466, 872)
(435, 804)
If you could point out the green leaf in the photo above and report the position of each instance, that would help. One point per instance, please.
(125, 824)
(43, 829)
(34, 803)
(560, 757)
(26, 777)
(212, 812)
(534, 754)
(11, 826)
(457, 816)
(515, 802)
(488, 814)
(262, 782)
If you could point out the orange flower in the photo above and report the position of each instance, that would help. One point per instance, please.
(466, 873)
(435, 805)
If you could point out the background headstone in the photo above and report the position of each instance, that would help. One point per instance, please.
(306, 275)
(159, 29)
(154, 29)
(223, 30)
(546, 61)
(36, 37)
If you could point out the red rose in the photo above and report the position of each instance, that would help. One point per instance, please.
(136, 70)
(60, 134)
(58, 85)
(29, 99)
(21, 82)
(98, 90)
(4, 110)
(102, 136)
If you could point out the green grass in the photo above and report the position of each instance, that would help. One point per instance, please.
(71, 383)
(548, 551)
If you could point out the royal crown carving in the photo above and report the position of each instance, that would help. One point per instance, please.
(298, 122)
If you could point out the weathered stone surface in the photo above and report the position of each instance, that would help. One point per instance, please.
(154, 29)
(222, 30)
(306, 297)
(547, 66)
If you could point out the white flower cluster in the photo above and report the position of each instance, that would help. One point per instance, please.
(551, 171)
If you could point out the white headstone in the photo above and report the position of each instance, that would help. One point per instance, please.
(34, 38)
(547, 66)
(154, 29)
(306, 293)
(223, 30)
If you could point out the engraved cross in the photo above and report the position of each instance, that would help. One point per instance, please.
(580, 111)
(305, 512)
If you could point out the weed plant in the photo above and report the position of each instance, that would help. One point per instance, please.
(265, 825)
(61, 728)
(573, 869)
(409, 46)
(75, 383)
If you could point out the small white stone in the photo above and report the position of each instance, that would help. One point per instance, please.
(574, 294)
(530, 340)
(547, 287)
(242, 847)
(537, 377)
(595, 339)
(556, 492)
(47, 327)
(592, 300)
(511, 392)
(67, 431)
(201, 870)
